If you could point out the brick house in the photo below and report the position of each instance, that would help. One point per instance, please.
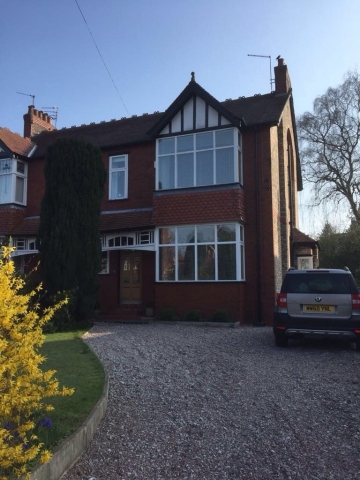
(200, 210)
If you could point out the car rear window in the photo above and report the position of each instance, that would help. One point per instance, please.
(317, 283)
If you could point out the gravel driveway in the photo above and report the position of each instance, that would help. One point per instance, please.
(212, 404)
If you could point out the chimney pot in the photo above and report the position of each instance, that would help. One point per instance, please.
(280, 62)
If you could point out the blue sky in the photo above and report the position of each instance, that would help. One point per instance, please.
(151, 47)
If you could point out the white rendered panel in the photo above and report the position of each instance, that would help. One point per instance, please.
(188, 115)
(200, 113)
(224, 121)
(176, 123)
(165, 131)
(213, 117)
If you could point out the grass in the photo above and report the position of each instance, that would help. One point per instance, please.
(76, 366)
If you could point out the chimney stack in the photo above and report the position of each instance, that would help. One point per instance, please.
(282, 78)
(35, 122)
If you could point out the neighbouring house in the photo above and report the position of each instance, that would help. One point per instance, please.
(200, 210)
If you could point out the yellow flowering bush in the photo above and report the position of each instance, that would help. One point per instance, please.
(23, 385)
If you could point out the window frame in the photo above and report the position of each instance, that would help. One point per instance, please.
(106, 270)
(175, 244)
(14, 174)
(237, 158)
(124, 169)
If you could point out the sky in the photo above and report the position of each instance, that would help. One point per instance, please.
(145, 51)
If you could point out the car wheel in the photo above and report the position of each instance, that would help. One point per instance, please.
(280, 340)
(357, 344)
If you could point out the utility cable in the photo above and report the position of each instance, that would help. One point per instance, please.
(97, 48)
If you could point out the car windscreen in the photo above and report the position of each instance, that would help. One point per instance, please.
(317, 283)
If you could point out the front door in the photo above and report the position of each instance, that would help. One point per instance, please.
(130, 278)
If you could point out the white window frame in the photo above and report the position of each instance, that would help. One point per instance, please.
(237, 162)
(239, 249)
(13, 172)
(121, 169)
(104, 271)
(300, 262)
(24, 245)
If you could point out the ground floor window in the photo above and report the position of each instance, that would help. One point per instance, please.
(201, 253)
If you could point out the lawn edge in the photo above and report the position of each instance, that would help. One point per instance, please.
(69, 451)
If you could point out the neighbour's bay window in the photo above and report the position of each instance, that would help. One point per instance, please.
(194, 160)
(13, 181)
(201, 253)
(118, 177)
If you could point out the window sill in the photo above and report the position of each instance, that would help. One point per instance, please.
(205, 188)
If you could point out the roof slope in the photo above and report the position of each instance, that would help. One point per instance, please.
(300, 237)
(15, 142)
(260, 109)
(104, 134)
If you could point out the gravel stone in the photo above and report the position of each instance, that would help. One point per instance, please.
(191, 402)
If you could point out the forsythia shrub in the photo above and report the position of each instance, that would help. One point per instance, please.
(23, 385)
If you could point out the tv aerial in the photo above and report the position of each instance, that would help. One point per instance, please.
(272, 80)
(28, 95)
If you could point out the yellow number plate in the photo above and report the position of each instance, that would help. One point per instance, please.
(319, 308)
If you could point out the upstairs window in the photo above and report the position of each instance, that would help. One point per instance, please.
(13, 181)
(118, 181)
(207, 158)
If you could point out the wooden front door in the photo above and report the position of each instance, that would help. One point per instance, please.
(130, 278)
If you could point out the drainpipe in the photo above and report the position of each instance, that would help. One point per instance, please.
(291, 206)
(258, 321)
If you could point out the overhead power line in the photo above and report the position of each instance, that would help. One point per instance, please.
(97, 48)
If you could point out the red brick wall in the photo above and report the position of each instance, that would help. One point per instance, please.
(259, 246)
(36, 186)
(141, 179)
(206, 297)
(200, 207)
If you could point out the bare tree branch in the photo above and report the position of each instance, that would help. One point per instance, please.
(330, 144)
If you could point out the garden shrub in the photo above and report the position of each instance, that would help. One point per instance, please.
(221, 316)
(193, 316)
(24, 387)
(166, 315)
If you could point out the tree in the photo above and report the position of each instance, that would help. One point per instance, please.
(329, 142)
(23, 385)
(340, 249)
(69, 239)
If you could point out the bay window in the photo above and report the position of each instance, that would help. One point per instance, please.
(207, 158)
(201, 253)
(13, 181)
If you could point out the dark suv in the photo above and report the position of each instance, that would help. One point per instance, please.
(317, 303)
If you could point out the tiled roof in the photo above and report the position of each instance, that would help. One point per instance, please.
(126, 220)
(108, 222)
(260, 109)
(300, 237)
(29, 226)
(15, 142)
(104, 135)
